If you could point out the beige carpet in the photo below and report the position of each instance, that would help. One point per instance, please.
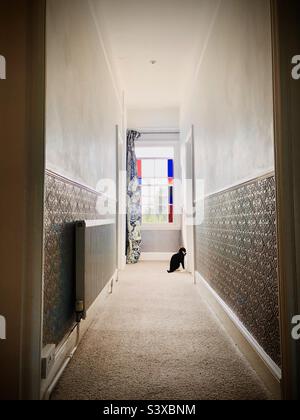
(156, 339)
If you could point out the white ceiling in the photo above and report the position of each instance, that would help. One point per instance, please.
(168, 31)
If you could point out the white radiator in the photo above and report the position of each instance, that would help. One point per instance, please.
(96, 261)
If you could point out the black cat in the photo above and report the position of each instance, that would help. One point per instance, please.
(176, 260)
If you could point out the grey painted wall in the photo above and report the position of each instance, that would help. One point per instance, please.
(231, 102)
(82, 106)
(161, 240)
(83, 109)
(231, 107)
(153, 118)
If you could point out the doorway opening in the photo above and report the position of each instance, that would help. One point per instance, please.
(159, 178)
(132, 76)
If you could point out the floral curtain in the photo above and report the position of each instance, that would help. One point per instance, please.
(134, 208)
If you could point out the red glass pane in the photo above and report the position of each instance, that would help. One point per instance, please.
(139, 168)
(171, 214)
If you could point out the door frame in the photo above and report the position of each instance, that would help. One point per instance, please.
(189, 200)
(23, 196)
(285, 44)
(121, 198)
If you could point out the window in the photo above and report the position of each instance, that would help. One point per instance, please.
(156, 178)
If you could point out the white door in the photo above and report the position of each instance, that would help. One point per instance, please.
(188, 213)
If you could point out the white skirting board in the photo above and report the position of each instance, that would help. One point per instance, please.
(264, 366)
(156, 256)
(66, 350)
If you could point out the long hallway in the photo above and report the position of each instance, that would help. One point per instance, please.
(155, 338)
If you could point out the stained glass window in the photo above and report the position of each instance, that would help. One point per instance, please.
(156, 178)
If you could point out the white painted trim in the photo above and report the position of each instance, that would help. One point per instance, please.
(161, 142)
(122, 194)
(146, 131)
(53, 172)
(147, 141)
(270, 367)
(161, 227)
(95, 223)
(189, 136)
(66, 350)
(157, 256)
(188, 233)
(259, 175)
(121, 140)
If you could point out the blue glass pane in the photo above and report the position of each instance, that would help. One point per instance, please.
(170, 195)
(170, 168)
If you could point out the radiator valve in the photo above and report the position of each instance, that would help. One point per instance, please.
(79, 310)
(79, 306)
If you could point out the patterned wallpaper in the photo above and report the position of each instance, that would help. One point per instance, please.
(65, 203)
(235, 247)
(236, 251)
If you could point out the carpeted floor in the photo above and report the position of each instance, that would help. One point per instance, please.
(156, 339)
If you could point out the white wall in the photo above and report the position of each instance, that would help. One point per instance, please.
(230, 102)
(156, 118)
(84, 105)
(161, 241)
(83, 101)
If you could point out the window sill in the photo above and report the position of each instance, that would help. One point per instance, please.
(149, 226)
